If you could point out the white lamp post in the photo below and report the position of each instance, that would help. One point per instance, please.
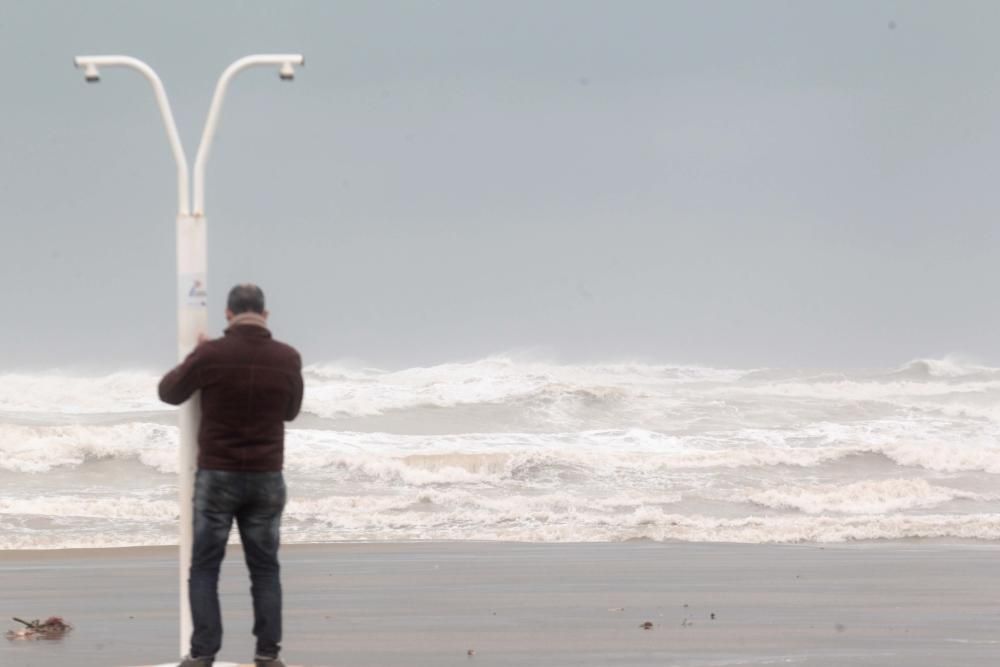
(192, 265)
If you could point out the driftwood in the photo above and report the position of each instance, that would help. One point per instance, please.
(53, 627)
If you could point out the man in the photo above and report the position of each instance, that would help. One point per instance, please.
(250, 385)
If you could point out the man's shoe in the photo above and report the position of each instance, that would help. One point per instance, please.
(267, 661)
(189, 661)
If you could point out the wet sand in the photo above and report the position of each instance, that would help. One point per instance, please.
(429, 604)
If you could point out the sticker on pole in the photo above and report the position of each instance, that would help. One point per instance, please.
(193, 290)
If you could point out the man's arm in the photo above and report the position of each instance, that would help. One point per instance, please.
(178, 385)
(295, 400)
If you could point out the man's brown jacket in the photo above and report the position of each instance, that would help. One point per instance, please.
(250, 385)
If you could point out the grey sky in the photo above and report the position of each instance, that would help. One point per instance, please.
(779, 183)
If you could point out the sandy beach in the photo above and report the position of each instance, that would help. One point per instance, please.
(429, 604)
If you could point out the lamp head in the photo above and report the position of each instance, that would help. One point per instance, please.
(90, 73)
(287, 72)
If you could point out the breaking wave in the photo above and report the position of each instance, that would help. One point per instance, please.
(865, 497)
(507, 449)
(430, 517)
(941, 447)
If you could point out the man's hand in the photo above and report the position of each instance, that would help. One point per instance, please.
(203, 338)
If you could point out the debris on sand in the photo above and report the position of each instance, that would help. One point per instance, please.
(53, 627)
(648, 625)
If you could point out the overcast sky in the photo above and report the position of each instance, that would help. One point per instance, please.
(727, 183)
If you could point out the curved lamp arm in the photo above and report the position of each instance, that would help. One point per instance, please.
(285, 61)
(91, 65)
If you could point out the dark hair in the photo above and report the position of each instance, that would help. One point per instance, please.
(245, 298)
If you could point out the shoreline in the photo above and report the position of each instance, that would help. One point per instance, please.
(157, 549)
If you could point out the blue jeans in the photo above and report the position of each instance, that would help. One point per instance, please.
(256, 500)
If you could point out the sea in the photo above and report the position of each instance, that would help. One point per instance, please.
(512, 449)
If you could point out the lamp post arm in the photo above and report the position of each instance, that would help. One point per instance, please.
(283, 60)
(92, 62)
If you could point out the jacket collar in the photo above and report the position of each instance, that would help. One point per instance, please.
(250, 323)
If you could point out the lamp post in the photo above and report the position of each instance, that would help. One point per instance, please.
(192, 265)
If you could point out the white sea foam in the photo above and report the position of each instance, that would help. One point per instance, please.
(136, 507)
(559, 392)
(507, 449)
(937, 446)
(552, 389)
(660, 525)
(864, 497)
(39, 449)
(57, 393)
(453, 515)
(949, 367)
